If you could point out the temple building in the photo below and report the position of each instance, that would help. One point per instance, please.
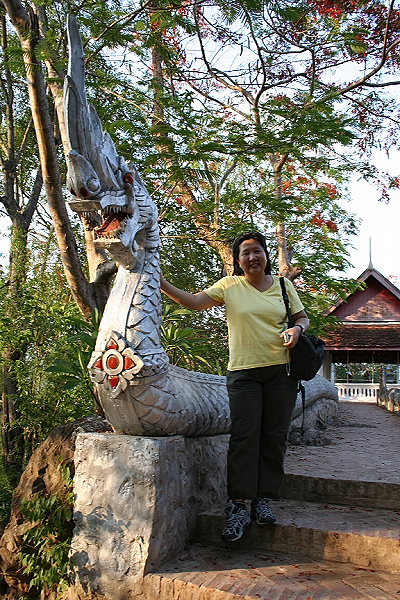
(369, 332)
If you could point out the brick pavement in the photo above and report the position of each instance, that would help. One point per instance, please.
(363, 452)
(220, 573)
(362, 447)
(367, 537)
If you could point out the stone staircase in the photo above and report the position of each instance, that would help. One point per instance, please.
(366, 537)
(337, 534)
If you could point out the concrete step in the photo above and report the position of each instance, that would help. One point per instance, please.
(341, 491)
(366, 537)
(222, 573)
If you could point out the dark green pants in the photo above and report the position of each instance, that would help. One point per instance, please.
(261, 403)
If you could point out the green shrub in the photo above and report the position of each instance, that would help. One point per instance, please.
(5, 505)
(47, 539)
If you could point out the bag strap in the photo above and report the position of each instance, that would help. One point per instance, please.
(302, 391)
(286, 301)
(300, 388)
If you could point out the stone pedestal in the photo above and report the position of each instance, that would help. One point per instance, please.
(137, 499)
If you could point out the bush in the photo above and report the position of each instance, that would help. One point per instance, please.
(5, 505)
(47, 539)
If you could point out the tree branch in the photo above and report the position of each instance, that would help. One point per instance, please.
(129, 17)
(214, 72)
(264, 72)
(381, 85)
(17, 13)
(226, 174)
(33, 198)
(278, 166)
(385, 51)
(212, 99)
(24, 140)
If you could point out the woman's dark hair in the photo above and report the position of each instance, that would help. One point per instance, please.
(251, 235)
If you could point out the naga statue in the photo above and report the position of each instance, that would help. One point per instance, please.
(139, 391)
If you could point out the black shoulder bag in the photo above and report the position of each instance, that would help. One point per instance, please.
(308, 354)
(306, 357)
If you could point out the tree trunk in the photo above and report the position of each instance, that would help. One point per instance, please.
(100, 270)
(11, 433)
(12, 438)
(284, 252)
(28, 32)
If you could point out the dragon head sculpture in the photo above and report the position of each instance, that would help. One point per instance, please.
(105, 188)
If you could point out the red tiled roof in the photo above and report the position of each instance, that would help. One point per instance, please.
(369, 336)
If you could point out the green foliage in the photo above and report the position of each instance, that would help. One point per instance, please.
(358, 373)
(185, 346)
(5, 494)
(192, 265)
(47, 538)
(44, 323)
(73, 370)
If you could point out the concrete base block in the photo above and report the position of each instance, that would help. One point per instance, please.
(137, 499)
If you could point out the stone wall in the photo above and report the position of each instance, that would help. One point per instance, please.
(137, 499)
(390, 399)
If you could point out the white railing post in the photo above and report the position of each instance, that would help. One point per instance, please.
(360, 392)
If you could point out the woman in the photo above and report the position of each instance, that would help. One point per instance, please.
(262, 393)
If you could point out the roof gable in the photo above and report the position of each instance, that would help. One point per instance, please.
(379, 301)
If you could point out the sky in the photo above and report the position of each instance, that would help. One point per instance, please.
(380, 223)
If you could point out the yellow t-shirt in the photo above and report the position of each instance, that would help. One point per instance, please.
(255, 321)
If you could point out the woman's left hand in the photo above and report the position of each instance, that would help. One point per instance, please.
(294, 333)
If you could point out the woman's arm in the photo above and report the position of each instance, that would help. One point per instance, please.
(198, 301)
(301, 323)
(302, 320)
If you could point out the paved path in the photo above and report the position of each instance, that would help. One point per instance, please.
(365, 447)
